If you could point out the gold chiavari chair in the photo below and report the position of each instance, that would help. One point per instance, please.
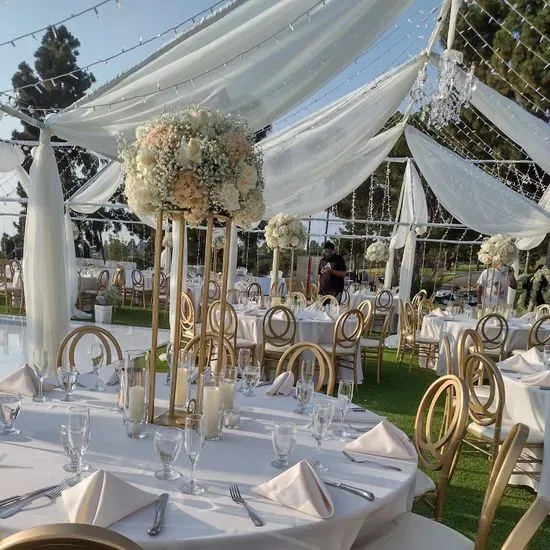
(345, 341)
(231, 326)
(297, 298)
(322, 362)
(214, 291)
(542, 311)
(138, 287)
(539, 335)
(528, 525)
(383, 302)
(468, 342)
(102, 282)
(411, 531)
(68, 346)
(15, 291)
(345, 299)
(437, 436)
(119, 280)
(313, 292)
(366, 307)
(211, 339)
(65, 536)
(164, 292)
(189, 326)
(493, 329)
(423, 307)
(278, 334)
(371, 348)
(253, 290)
(414, 341)
(329, 300)
(418, 297)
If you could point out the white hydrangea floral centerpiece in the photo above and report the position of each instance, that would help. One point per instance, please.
(497, 250)
(284, 231)
(377, 252)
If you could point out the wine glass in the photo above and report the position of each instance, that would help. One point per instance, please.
(96, 359)
(168, 443)
(322, 417)
(306, 371)
(40, 366)
(193, 440)
(304, 395)
(546, 357)
(67, 377)
(284, 441)
(79, 434)
(70, 466)
(10, 405)
(243, 360)
(251, 376)
(345, 395)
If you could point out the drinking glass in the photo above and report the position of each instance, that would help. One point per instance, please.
(304, 395)
(546, 357)
(322, 417)
(72, 465)
(193, 440)
(168, 443)
(284, 441)
(10, 405)
(79, 433)
(345, 395)
(243, 360)
(67, 377)
(251, 378)
(40, 366)
(96, 359)
(306, 371)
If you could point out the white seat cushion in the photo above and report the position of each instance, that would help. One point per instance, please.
(369, 343)
(423, 484)
(242, 343)
(535, 437)
(413, 532)
(276, 349)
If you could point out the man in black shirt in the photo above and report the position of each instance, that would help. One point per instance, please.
(331, 273)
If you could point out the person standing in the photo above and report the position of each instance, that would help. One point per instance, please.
(331, 272)
(493, 283)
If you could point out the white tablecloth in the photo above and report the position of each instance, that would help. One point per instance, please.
(35, 458)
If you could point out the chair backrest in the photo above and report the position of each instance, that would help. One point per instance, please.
(528, 525)
(254, 290)
(211, 343)
(62, 536)
(187, 319)
(297, 297)
(439, 427)
(503, 468)
(468, 339)
(214, 290)
(447, 354)
(409, 318)
(233, 295)
(366, 307)
(328, 300)
(313, 292)
(386, 328)
(119, 278)
(493, 329)
(103, 280)
(162, 281)
(138, 279)
(277, 331)
(418, 297)
(345, 298)
(72, 339)
(290, 357)
(542, 311)
(423, 307)
(383, 301)
(230, 322)
(539, 335)
(348, 330)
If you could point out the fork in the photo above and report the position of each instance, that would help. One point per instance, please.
(236, 496)
(373, 462)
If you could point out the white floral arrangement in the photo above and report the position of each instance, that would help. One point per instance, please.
(168, 241)
(218, 240)
(285, 231)
(497, 250)
(377, 252)
(195, 161)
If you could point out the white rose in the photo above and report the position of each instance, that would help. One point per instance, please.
(199, 117)
(229, 197)
(140, 132)
(145, 157)
(189, 152)
(248, 178)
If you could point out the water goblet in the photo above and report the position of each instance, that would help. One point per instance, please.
(304, 395)
(322, 417)
(168, 442)
(251, 377)
(243, 360)
(96, 360)
(40, 366)
(79, 434)
(67, 377)
(284, 441)
(345, 395)
(10, 405)
(72, 465)
(546, 357)
(193, 441)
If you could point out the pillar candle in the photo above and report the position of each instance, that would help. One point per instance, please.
(182, 387)
(136, 402)
(211, 405)
(228, 394)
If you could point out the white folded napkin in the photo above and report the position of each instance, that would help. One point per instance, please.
(528, 317)
(108, 374)
(282, 385)
(103, 499)
(528, 362)
(383, 440)
(541, 379)
(24, 382)
(299, 488)
(438, 312)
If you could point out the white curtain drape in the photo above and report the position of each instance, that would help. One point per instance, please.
(527, 243)
(472, 196)
(407, 267)
(321, 159)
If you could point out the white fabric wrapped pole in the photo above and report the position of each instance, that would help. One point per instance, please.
(275, 271)
(407, 267)
(233, 256)
(45, 278)
(455, 6)
(388, 274)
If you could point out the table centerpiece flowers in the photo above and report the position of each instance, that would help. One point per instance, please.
(497, 250)
(378, 252)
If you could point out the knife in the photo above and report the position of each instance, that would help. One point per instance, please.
(157, 524)
(354, 490)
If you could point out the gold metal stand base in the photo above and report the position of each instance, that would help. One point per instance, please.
(174, 420)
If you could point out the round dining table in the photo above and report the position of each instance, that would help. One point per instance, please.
(35, 458)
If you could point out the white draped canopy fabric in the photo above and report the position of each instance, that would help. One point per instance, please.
(527, 243)
(471, 195)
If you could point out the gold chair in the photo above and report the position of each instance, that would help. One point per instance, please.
(493, 329)
(214, 291)
(366, 307)
(423, 307)
(313, 292)
(211, 359)
(328, 300)
(371, 348)
(277, 334)
(231, 326)
(437, 440)
(528, 525)
(468, 342)
(383, 302)
(119, 280)
(345, 299)
(253, 290)
(138, 287)
(65, 536)
(345, 341)
(411, 531)
(448, 356)
(322, 361)
(539, 335)
(108, 341)
(15, 290)
(418, 297)
(232, 296)
(188, 322)
(164, 292)
(297, 298)
(542, 311)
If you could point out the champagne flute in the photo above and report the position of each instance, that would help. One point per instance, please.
(70, 466)
(79, 434)
(345, 395)
(242, 361)
(284, 441)
(10, 405)
(251, 377)
(168, 443)
(322, 417)
(306, 371)
(193, 441)
(96, 359)
(40, 365)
